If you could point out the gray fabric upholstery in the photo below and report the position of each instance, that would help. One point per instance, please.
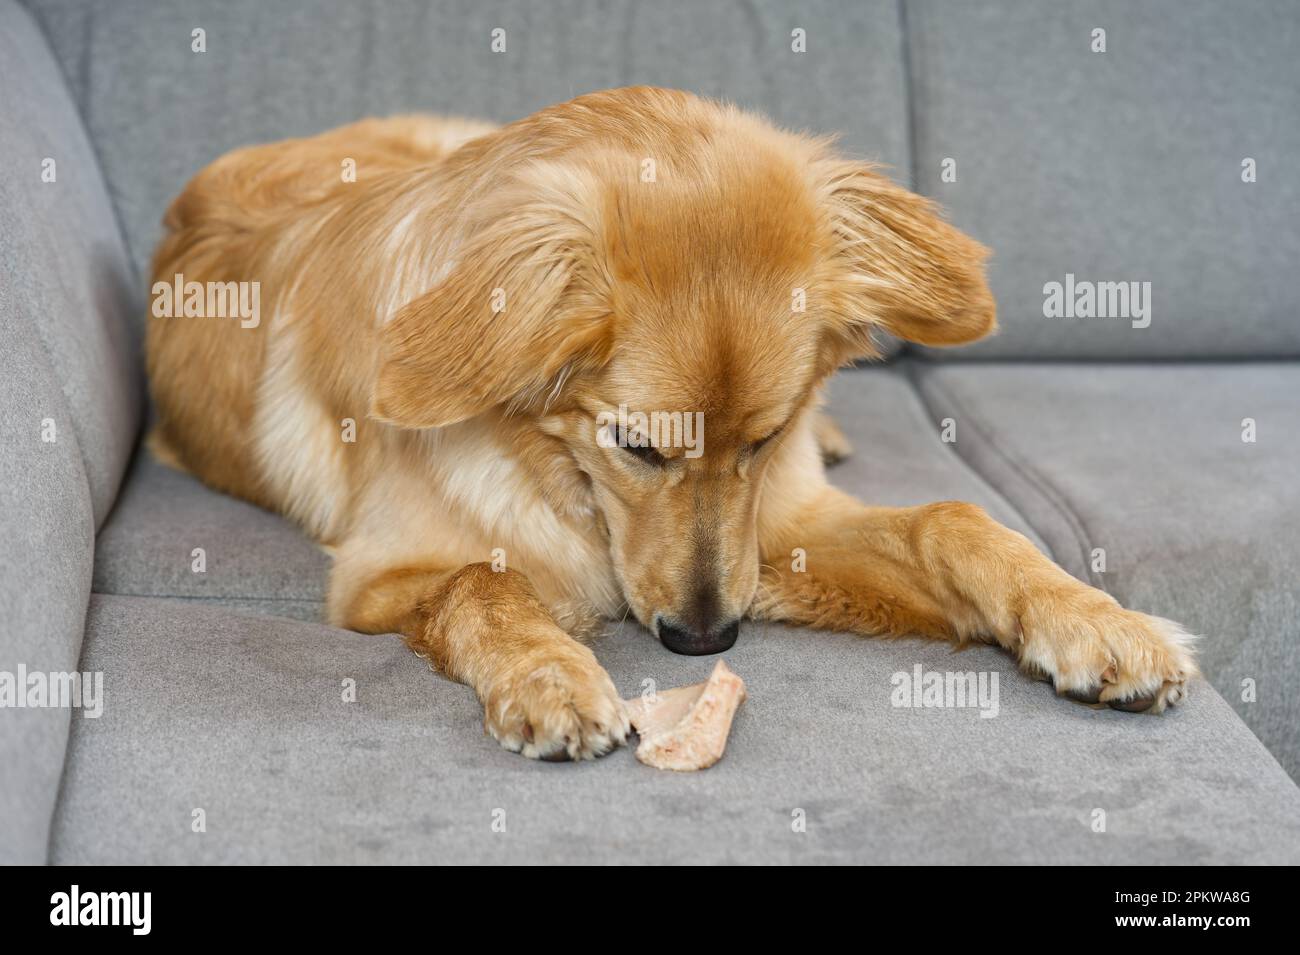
(1120, 166)
(66, 266)
(244, 718)
(67, 404)
(252, 558)
(45, 552)
(1148, 463)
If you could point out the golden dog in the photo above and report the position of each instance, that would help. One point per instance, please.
(452, 333)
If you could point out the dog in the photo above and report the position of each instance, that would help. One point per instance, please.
(467, 339)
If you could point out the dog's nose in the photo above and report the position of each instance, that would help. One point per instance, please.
(693, 643)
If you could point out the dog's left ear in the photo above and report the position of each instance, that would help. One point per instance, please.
(900, 266)
(518, 313)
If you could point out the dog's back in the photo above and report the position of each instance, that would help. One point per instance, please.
(231, 220)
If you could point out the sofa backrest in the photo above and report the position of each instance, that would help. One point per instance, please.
(69, 407)
(1167, 159)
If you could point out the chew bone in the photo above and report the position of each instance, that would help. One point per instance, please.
(686, 728)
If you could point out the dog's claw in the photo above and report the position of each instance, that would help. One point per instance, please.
(1138, 705)
(1090, 697)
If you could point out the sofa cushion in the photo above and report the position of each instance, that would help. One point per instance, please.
(1150, 463)
(1122, 166)
(245, 719)
(250, 558)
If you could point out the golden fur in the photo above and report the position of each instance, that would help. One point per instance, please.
(479, 295)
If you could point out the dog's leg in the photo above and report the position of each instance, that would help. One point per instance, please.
(950, 571)
(543, 693)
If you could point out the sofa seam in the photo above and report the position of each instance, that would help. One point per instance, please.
(1037, 482)
(910, 134)
(119, 593)
(909, 102)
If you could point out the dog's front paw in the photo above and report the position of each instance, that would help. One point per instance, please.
(1106, 654)
(557, 706)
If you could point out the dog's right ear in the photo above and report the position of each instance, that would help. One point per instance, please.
(907, 270)
(520, 310)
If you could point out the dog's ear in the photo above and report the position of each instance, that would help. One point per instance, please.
(519, 311)
(900, 266)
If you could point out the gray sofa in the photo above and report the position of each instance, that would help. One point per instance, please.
(1118, 444)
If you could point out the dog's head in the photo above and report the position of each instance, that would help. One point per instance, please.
(659, 284)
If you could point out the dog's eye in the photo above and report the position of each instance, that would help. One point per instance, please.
(644, 450)
(760, 444)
